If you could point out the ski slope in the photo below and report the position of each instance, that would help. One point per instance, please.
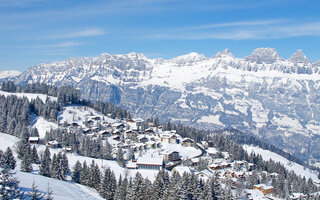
(298, 169)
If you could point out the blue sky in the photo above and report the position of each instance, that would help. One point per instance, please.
(41, 31)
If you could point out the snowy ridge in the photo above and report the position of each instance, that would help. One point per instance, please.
(30, 96)
(9, 74)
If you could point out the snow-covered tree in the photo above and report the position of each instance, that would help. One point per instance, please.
(44, 168)
(76, 174)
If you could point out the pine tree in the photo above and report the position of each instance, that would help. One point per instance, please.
(84, 174)
(9, 185)
(34, 194)
(34, 155)
(76, 174)
(121, 192)
(94, 176)
(8, 161)
(26, 165)
(120, 158)
(48, 195)
(64, 165)
(44, 168)
(108, 186)
(54, 169)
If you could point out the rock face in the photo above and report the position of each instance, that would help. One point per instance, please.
(274, 98)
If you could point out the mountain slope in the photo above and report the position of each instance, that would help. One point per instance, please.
(262, 93)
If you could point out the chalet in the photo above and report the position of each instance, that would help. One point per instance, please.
(104, 133)
(142, 139)
(33, 140)
(296, 196)
(75, 125)
(149, 131)
(255, 195)
(204, 174)
(118, 125)
(181, 170)
(214, 167)
(132, 165)
(67, 149)
(130, 134)
(116, 137)
(87, 130)
(152, 144)
(53, 144)
(194, 161)
(168, 138)
(96, 118)
(90, 122)
(147, 162)
(187, 142)
(265, 189)
(171, 156)
(116, 132)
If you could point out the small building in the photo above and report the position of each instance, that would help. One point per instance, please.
(187, 142)
(67, 149)
(181, 170)
(33, 140)
(171, 156)
(132, 165)
(143, 139)
(150, 162)
(255, 195)
(204, 174)
(265, 189)
(168, 138)
(53, 144)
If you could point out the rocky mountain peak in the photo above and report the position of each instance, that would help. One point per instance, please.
(299, 57)
(188, 58)
(264, 55)
(224, 53)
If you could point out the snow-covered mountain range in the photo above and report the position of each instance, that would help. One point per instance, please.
(9, 74)
(263, 93)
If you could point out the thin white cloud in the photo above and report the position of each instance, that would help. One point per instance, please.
(269, 29)
(235, 24)
(78, 34)
(61, 45)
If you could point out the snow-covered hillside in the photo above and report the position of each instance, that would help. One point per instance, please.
(298, 169)
(61, 189)
(261, 93)
(30, 96)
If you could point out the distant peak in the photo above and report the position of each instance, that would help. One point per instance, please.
(189, 58)
(299, 57)
(136, 55)
(9, 74)
(264, 55)
(224, 53)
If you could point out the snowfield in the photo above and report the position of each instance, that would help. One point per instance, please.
(298, 169)
(62, 190)
(30, 96)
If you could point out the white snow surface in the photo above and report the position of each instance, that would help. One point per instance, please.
(62, 190)
(9, 74)
(30, 96)
(42, 125)
(267, 155)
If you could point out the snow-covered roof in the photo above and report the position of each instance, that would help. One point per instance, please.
(131, 165)
(33, 138)
(256, 194)
(182, 169)
(150, 160)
